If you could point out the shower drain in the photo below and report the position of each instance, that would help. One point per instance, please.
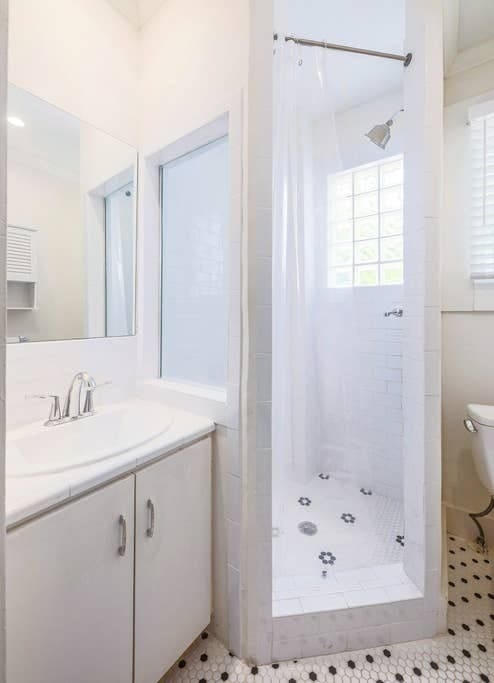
(307, 528)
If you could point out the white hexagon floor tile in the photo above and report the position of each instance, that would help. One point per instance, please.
(464, 655)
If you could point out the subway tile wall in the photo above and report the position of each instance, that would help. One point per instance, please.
(362, 425)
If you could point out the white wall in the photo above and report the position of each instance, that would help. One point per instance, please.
(468, 331)
(193, 70)
(81, 56)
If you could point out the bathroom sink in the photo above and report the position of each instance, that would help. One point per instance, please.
(37, 449)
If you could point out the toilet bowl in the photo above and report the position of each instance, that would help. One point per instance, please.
(480, 423)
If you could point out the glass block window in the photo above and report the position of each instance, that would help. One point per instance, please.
(366, 225)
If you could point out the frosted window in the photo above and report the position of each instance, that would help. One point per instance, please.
(195, 212)
(366, 227)
(120, 265)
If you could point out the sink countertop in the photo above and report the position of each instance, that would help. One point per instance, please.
(31, 495)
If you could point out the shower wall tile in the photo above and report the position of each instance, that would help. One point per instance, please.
(256, 577)
(264, 235)
(233, 507)
(264, 329)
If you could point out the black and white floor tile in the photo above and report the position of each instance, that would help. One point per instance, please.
(464, 655)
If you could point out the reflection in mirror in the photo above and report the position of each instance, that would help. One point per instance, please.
(71, 210)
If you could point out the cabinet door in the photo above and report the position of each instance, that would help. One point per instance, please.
(173, 558)
(70, 592)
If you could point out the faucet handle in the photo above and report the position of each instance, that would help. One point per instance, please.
(88, 403)
(55, 411)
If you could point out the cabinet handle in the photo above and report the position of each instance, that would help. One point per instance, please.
(150, 529)
(123, 546)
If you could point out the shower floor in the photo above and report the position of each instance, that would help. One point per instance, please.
(354, 556)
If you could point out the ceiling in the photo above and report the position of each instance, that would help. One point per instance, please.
(468, 33)
(137, 11)
(50, 138)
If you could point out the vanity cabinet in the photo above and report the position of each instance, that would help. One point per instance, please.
(70, 592)
(173, 569)
(114, 586)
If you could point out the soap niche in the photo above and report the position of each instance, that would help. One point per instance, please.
(21, 296)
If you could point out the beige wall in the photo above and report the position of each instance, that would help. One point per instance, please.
(467, 334)
(52, 205)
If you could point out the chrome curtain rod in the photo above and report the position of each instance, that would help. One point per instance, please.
(346, 48)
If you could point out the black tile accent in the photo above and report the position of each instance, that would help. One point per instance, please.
(348, 518)
(327, 557)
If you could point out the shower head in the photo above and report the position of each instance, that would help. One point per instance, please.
(380, 135)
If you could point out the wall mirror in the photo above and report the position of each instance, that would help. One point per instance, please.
(71, 235)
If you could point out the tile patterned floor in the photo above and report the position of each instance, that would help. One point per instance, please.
(464, 655)
(359, 540)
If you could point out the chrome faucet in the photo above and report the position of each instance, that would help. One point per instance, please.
(86, 384)
(85, 381)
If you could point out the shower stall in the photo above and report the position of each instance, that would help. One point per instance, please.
(346, 321)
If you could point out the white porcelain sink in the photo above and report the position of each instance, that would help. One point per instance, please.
(38, 449)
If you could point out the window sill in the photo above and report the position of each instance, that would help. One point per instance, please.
(198, 390)
(202, 400)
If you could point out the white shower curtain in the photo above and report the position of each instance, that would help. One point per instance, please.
(304, 138)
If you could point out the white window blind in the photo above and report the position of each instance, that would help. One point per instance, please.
(482, 212)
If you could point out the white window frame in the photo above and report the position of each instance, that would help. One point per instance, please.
(332, 269)
(193, 141)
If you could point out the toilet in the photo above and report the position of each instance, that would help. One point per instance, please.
(480, 423)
